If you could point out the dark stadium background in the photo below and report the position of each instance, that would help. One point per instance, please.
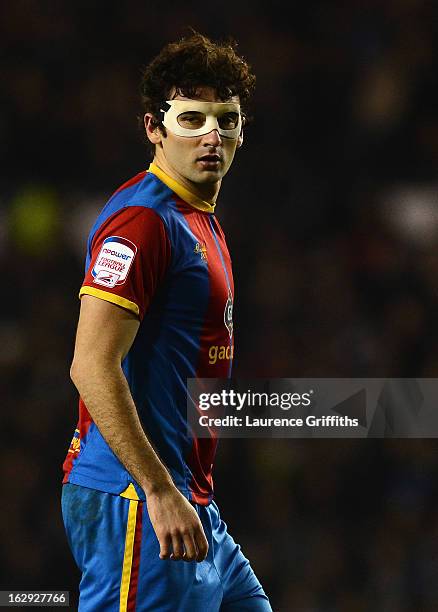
(331, 213)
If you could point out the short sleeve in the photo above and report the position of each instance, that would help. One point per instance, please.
(130, 254)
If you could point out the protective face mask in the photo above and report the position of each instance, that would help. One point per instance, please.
(191, 118)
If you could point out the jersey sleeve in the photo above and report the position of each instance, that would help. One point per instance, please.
(129, 256)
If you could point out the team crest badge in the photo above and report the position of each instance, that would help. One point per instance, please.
(202, 250)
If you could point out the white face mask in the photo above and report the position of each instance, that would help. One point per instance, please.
(191, 118)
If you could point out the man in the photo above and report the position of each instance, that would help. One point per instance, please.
(157, 294)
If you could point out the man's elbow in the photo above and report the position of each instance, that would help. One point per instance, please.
(80, 369)
(88, 366)
(76, 372)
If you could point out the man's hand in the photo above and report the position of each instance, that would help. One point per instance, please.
(177, 526)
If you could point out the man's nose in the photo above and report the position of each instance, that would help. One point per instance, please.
(212, 138)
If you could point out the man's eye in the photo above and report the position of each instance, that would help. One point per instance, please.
(229, 121)
(192, 120)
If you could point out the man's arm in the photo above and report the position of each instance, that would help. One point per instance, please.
(104, 336)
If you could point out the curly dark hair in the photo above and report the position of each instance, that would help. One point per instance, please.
(191, 63)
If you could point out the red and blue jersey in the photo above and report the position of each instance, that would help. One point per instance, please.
(158, 250)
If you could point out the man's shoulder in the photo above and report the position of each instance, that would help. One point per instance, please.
(137, 191)
(142, 196)
(142, 190)
(127, 187)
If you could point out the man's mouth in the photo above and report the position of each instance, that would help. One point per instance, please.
(210, 158)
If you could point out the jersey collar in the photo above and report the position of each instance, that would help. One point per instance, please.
(181, 191)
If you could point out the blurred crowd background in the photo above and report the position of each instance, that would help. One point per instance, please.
(331, 215)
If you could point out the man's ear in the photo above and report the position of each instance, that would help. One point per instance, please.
(153, 131)
(240, 139)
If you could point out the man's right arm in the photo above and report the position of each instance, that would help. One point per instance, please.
(104, 336)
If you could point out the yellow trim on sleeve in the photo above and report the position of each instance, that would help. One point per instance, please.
(128, 555)
(181, 191)
(130, 492)
(110, 297)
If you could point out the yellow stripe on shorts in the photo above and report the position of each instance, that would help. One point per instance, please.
(127, 557)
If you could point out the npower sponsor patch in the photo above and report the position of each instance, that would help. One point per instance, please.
(114, 261)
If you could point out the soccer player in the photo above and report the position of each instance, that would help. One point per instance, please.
(158, 291)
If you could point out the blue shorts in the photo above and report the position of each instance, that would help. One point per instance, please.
(117, 551)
